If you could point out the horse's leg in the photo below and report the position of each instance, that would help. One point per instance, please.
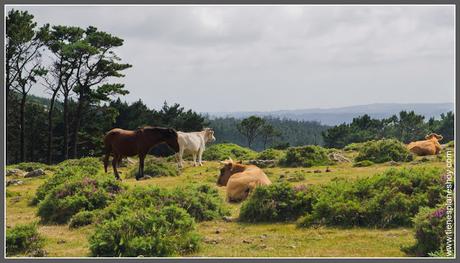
(114, 165)
(106, 161)
(141, 166)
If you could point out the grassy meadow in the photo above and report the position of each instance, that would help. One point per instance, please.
(230, 238)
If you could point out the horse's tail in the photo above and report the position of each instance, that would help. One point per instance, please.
(108, 151)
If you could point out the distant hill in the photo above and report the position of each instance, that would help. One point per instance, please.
(334, 116)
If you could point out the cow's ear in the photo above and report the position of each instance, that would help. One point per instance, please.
(439, 137)
(229, 165)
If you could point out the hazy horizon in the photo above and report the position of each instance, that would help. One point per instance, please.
(340, 107)
(265, 58)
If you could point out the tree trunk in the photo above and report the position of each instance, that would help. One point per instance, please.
(31, 147)
(22, 127)
(77, 125)
(50, 128)
(66, 127)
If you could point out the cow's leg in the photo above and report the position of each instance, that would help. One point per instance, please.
(114, 165)
(194, 158)
(181, 161)
(141, 166)
(200, 156)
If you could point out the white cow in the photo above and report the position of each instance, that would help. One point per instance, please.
(194, 143)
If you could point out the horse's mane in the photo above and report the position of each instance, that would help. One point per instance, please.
(156, 128)
(151, 128)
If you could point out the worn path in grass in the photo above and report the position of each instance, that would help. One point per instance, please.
(229, 239)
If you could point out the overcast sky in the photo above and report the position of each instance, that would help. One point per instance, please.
(240, 58)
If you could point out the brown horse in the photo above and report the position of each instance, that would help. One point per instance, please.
(124, 143)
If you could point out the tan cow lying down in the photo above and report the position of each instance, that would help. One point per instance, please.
(240, 179)
(430, 146)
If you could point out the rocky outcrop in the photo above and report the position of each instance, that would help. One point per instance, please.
(262, 163)
(338, 157)
(14, 182)
(14, 172)
(35, 173)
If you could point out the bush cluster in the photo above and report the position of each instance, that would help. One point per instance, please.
(24, 239)
(220, 152)
(430, 236)
(64, 171)
(153, 221)
(384, 151)
(270, 154)
(82, 218)
(150, 231)
(30, 166)
(76, 186)
(276, 202)
(356, 146)
(155, 167)
(202, 202)
(306, 156)
(383, 200)
(89, 163)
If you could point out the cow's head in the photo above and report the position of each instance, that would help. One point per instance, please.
(229, 169)
(433, 135)
(209, 135)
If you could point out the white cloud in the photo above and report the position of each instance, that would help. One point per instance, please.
(228, 58)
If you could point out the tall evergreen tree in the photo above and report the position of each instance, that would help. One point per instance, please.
(24, 47)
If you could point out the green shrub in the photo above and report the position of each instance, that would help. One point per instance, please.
(384, 151)
(389, 199)
(82, 218)
(201, 201)
(306, 156)
(220, 152)
(66, 171)
(297, 176)
(270, 154)
(88, 162)
(356, 146)
(450, 144)
(276, 202)
(384, 200)
(430, 236)
(155, 167)
(364, 163)
(77, 192)
(30, 166)
(24, 239)
(167, 231)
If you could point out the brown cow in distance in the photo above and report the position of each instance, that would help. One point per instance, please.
(430, 146)
(240, 179)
